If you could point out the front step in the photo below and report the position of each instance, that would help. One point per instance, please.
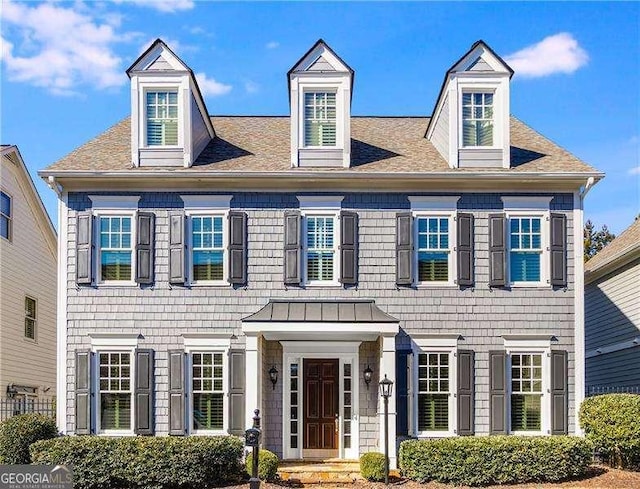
(342, 472)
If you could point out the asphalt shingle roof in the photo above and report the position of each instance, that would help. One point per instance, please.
(378, 144)
(627, 241)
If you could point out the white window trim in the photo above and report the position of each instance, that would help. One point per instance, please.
(173, 86)
(327, 87)
(533, 346)
(113, 343)
(453, 259)
(9, 237)
(207, 205)
(491, 90)
(535, 207)
(208, 343)
(434, 344)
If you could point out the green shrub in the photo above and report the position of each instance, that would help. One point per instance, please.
(478, 461)
(267, 465)
(144, 462)
(372, 466)
(18, 432)
(612, 423)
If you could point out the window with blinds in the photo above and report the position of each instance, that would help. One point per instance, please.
(320, 248)
(208, 391)
(115, 390)
(433, 391)
(477, 119)
(5, 216)
(162, 118)
(30, 318)
(207, 241)
(526, 392)
(115, 248)
(525, 241)
(433, 249)
(319, 119)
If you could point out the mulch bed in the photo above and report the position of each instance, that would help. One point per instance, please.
(599, 477)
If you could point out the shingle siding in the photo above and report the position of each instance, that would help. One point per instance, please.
(161, 313)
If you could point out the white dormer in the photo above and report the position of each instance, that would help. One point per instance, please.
(170, 125)
(320, 89)
(470, 123)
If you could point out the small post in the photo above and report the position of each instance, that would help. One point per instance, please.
(252, 439)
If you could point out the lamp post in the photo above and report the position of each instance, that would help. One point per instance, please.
(386, 388)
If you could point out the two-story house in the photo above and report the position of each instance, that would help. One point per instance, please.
(220, 264)
(28, 277)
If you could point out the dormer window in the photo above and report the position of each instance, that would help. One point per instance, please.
(477, 119)
(162, 118)
(319, 119)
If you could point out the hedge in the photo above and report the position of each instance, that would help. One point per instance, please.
(372, 466)
(144, 462)
(612, 423)
(267, 465)
(479, 461)
(18, 432)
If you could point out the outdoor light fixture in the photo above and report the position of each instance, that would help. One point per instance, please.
(368, 375)
(11, 391)
(386, 388)
(273, 376)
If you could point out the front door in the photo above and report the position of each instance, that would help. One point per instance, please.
(321, 382)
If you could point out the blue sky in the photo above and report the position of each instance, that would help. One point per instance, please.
(577, 69)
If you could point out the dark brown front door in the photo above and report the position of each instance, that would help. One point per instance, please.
(321, 404)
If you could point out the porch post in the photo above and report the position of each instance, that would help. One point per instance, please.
(388, 368)
(253, 378)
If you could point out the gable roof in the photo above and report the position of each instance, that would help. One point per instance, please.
(617, 253)
(12, 153)
(478, 44)
(380, 145)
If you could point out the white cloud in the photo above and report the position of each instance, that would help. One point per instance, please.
(272, 44)
(634, 171)
(251, 87)
(211, 87)
(166, 6)
(59, 48)
(559, 53)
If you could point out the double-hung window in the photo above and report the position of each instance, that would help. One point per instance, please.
(319, 119)
(477, 119)
(5, 216)
(30, 318)
(526, 392)
(162, 118)
(525, 254)
(434, 390)
(115, 391)
(321, 248)
(207, 245)
(434, 253)
(116, 248)
(207, 374)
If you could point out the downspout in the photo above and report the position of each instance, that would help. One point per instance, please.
(579, 316)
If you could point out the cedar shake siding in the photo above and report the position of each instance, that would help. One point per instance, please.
(161, 312)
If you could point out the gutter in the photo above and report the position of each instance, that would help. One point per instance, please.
(325, 175)
(53, 184)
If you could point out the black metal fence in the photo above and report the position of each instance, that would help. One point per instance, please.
(597, 390)
(22, 405)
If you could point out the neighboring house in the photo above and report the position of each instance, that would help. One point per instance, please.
(612, 315)
(28, 270)
(209, 256)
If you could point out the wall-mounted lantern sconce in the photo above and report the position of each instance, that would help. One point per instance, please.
(368, 375)
(273, 376)
(11, 391)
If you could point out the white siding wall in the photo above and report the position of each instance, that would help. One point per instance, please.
(440, 135)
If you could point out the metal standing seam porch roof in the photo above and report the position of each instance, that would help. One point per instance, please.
(321, 311)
